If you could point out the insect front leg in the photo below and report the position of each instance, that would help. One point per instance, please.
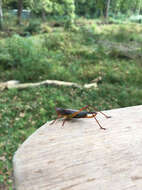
(94, 116)
(99, 123)
(103, 114)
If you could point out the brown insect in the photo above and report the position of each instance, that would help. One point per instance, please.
(68, 114)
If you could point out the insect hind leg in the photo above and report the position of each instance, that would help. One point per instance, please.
(59, 116)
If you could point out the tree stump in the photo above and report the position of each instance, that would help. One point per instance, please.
(81, 156)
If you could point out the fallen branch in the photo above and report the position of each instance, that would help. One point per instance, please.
(16, 84)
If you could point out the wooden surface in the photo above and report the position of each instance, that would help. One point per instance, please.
(80, 156)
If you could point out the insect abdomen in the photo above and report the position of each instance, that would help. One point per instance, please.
(81, 115)
(70, 111)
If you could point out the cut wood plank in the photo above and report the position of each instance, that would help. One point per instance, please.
(80, 156)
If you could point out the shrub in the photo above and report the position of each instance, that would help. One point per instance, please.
(33, 27)
(25, 56)
(136, 18)
(45, 28)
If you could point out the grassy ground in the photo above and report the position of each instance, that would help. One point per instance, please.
(107, 54)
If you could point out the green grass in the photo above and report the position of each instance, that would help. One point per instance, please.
(82, 54)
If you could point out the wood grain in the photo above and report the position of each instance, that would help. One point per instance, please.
(80, 156)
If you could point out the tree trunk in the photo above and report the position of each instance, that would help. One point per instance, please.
(139, 8)
(19, 13)
(107, 9)
(43, 15)
(1, 14)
